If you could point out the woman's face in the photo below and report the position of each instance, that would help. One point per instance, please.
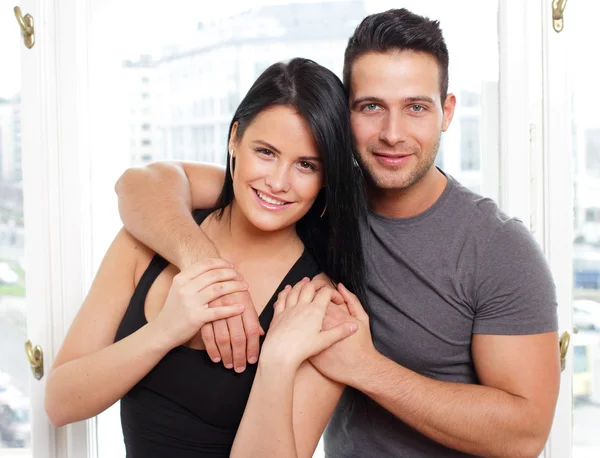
(278, 171)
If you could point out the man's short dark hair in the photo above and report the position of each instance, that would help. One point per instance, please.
(398, 30)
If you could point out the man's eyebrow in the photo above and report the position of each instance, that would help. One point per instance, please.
(367, 98)
(301, 158)
(419, 98)
(413, 99)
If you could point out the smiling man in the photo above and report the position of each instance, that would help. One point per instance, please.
(459, 353)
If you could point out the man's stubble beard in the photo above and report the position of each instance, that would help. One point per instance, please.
(382, 183)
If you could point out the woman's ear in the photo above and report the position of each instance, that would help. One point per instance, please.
(233, 137)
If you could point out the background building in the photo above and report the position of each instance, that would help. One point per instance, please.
(142, 104)
(10, 139)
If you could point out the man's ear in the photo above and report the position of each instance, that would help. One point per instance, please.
(233, 137)
(448, 110)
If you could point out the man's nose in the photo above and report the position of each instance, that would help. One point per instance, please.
(278, 180)
(391, 132)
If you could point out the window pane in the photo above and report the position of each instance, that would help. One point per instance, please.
(586, 251)
(184, 75)
(15, 408)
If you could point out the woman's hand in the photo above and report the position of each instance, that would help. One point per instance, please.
(296, 331)
(186, 307)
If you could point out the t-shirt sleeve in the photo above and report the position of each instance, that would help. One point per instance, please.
(514, 289)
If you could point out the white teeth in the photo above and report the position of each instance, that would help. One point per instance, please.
(269, 199)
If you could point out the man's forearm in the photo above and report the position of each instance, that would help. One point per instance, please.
(155, 207)
(474, 419)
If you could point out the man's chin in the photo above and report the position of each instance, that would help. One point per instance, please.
(389, 180)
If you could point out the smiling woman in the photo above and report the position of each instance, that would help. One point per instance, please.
(291, 142)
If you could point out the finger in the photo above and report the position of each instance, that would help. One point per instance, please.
(253, 332)
(284, 293)
(239, 297)
(308, 292)
(329, 323)
(212, 277)
(323, 298)
(320, 283)
(337, 298)
(208, 337)
(327, 338)
(221, 313)
(215, 276)
(292, 297)
(223, 341)
(237, 335)
(262, 331)
(337, 312)
(202, 266)
(354, 306)
(279, 306)
(212, 292)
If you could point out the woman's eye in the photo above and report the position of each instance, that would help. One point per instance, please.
(264, 151)
(307, 165)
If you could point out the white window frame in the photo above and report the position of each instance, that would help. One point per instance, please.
(61, 84)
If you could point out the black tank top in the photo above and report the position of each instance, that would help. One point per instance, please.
(187, 406)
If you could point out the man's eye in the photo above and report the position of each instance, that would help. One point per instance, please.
(370, 107)
(418, 108)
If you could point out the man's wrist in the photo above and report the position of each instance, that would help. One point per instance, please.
(370, 365)
(196, 250)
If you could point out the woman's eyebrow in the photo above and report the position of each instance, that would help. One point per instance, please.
(302, 158)
(267, 145)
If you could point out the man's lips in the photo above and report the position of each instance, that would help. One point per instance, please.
(391, 155)
(391, 159)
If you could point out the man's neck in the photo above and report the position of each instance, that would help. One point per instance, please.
(409, 202)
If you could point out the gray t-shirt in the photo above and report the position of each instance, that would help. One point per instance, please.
(461, 267)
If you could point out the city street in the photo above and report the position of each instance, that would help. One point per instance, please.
(13, 334)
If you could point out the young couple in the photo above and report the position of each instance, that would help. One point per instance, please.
(458, 353)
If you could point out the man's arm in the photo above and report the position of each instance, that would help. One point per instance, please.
(509, 415)
(155, 204)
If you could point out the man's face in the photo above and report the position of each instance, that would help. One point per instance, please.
(397, 116)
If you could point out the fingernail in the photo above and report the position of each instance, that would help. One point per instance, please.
(353, 327)
(240, 369)
(244, 284)
(228, 365)
(241, 307)
(217, 360)
(252, 359)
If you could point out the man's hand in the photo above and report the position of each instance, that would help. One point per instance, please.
(346, 358)
(234, 341)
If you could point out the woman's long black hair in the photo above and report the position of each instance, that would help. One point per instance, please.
(318, 96)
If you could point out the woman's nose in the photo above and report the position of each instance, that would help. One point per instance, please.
(277, 180)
